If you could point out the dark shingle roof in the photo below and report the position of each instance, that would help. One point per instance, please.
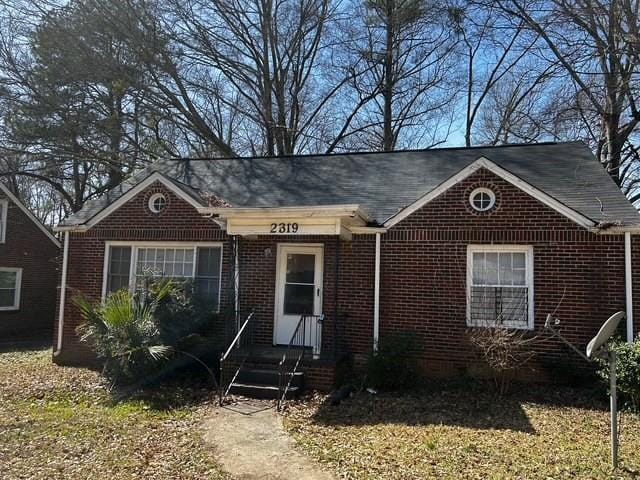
(384, 183)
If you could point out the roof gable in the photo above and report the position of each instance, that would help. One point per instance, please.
(13, 199)
(484, 162)
(101, 214)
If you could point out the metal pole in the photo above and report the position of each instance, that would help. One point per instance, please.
(614, 409)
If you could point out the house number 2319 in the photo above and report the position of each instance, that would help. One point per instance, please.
(284, 228)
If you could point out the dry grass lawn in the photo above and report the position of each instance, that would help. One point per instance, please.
(60, 422)
(462, 433)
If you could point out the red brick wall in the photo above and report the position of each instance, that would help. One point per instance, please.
(27, 247)
(133, 221)
(424, 270)
(355, 286)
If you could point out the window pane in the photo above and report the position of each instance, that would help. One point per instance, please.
(208, 262)
(206, 290)
(478, 269)
(169, 270)
(300, 268)
(298, 299)
(179, 270)
(207, 283)
(119, 267)
(519, 260)
(519, 277)
(117, 282)
(514, 311)
(505, 275)
(491, 268)
(498, 306)
(8, 280)
(165, 262)
(7, 297)
(482, 306)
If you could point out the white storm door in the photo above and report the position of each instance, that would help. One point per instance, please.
(298, 289)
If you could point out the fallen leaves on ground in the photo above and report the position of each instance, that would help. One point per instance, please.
(458, 433)
(61, 422)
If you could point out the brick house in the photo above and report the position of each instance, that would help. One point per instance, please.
(28, 273)
(367, 244)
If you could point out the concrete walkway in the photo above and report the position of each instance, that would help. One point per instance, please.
(250, 443)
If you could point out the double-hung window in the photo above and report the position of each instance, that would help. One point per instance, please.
(500, 286)
(127, 266)
(4, 205)
(10, 282)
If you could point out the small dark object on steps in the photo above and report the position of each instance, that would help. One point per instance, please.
(340, 394)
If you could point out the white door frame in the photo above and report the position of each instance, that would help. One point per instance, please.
(316, 249)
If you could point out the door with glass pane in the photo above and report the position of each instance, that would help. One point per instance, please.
(298, 289)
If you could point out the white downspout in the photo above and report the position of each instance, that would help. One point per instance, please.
(628, 285)
(376, 297)
(236, 275)
(63, 293)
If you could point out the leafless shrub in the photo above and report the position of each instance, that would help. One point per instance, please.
(504, 350)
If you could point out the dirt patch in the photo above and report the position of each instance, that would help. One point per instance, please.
(250, 443)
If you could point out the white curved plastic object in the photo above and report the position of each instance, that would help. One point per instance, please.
(606, 331)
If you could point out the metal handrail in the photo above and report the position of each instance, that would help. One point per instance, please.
(225, 386)
(297, 343)
(237, 338)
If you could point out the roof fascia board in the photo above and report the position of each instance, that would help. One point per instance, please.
(129, 195)
(618, 230)
(30, 215)
(367, 230)
(483, 162)
(311, 211)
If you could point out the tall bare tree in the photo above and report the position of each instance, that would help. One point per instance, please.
(407, 46)
(592, 41)
(496, 49)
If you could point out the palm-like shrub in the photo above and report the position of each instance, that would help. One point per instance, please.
(124, 333)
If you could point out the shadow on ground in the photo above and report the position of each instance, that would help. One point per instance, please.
(472, 406)
(31, 345)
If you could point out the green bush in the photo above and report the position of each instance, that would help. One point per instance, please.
(392, 366)
(627, 371)
(137, 335)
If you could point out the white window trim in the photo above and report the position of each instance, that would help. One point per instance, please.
(134, 258)
(4, 213)
(16, 298)
(528, 250)
(489, 192)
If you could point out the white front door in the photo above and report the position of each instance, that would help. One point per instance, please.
(298, 289)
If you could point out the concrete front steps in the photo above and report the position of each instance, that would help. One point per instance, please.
(262, 381)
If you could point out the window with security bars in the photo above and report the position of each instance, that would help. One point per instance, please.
(500, 290)
(198, 264)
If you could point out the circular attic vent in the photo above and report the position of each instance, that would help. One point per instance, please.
(157, 202)
(482, 199)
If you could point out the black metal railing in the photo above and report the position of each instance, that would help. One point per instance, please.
(306, 337)
(234, 358)
(499, 306)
